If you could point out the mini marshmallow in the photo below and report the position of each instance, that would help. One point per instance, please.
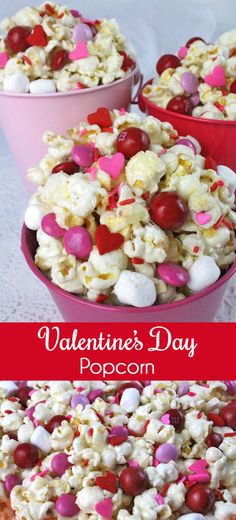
(130, 399)
(135, 289)
(42, 86)
(33, 216)
(17, 82)
(192, 516)
(204, 272)
(41, 439)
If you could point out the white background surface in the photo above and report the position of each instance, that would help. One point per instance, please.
(154, 27)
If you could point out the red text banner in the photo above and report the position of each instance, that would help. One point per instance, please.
(145, 351)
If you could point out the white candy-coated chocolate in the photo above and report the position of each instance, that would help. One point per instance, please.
(135, 289)
(17, 82)
(42, 86)
(130, 399)
(204, 272)
(33, 216)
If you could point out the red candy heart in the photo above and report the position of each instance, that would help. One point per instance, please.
(107, 482)
(38, 37)
(101, 118)
(107, 241)
(128, 63)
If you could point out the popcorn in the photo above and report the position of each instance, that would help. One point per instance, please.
(113, 201)
(44, 61)
(199, 82)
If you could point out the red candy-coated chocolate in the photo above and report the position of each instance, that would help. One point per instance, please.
(133, 481)
(194, 39)
(17, 39)
(131, 141)
(214, 440)
(167, 61)
(176, 418)
(132, 384)
(181, 105)
(59, 59)
(26, 455)
(68, 167)
(168, 210)
(55, 422)
(23, 394)
(233, 87)
(200, 499)
(228, 413)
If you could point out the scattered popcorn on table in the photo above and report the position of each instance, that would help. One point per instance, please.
(199, 81)
(118, 450)
(138, 219)
(52, 48)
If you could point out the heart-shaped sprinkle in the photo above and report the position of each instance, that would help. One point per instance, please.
(3, 59)
(182, 52)
(199, 466)
(107, 241)
(165, 419)
(38, 37)
(203, 218)
(216, 78)
(107, 482)
(112, 165)
(104, 508)
(80, 52)
(101, 118)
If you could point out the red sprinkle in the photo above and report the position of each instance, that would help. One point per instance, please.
(220, 183)
(127, 201)
(145, 426)
(146, 195)
(224, 91)
(191, 394)
(199, 415)
(189, 484)
(109, 130)
(137, 261)
(219, 106)
(165, 489)
(214, 186)
(210, 163)
(90, 432)
(219, 222)
(60, 16)
(196, 249)
(174, 136)
(100, 417)
(86, 462)
(27, 60)
(8, 412)
(216, 419)
(228, 224)
(101, 298)
(50, 8)
(13, 399)
(231, 434)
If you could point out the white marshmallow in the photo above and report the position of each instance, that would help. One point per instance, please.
(130, 399)
(17, 82)
(33, 216)
(42, 439)
(228, 175)
(42, 86)
(204, 272)
(8, 386)
(192, 516)
(135, 289)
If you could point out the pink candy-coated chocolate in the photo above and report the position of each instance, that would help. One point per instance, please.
(166, 452)
(50, 226)
(75, 13)
(83, 155)
(183, 389)
(82, 33)
(66, 505)
(95, 394)
(3, 59)
(10, 482)
(203, 218)
(195, 99)
(231, 387)
(77, 242)
(60, 464)
(187, 142)
(189, 82)
(173, 274)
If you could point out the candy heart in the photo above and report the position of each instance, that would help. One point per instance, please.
(38, 37)
(182, 52)
(104, 508)
(107, 482)
(80, 52)
(101, 118)
(203, 218)
(107, 241)
(112, 165)
(216, 78)
(165, 419)
(3, 59)
(199, 466)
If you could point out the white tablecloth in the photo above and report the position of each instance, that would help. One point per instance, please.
(154, 27)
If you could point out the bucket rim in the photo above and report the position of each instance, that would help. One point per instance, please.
(183, 117)
(27, 95)
(123, 309)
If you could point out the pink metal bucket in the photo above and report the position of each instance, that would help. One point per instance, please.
(25, 117)
(201, 307)
(217, 138)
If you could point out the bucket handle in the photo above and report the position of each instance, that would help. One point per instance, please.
(139, 82)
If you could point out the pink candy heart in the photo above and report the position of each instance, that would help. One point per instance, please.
(199, 466)
(112, 165)
(203, 218)
(104, 508)
(80, 51)
(3, 59)
(182, 52)
(216, 78)
(165, 419)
